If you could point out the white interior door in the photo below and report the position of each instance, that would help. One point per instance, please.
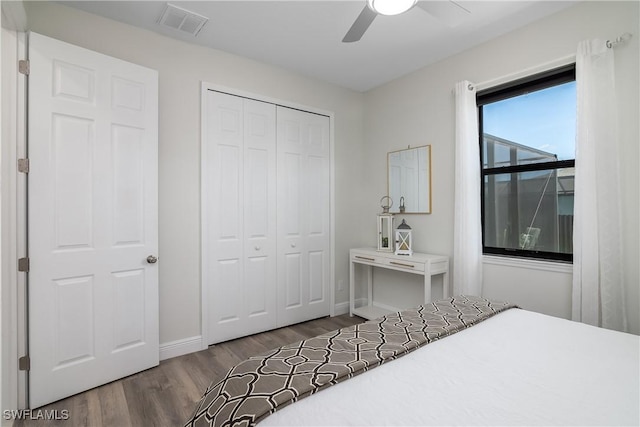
(239, 215)
(93, 295)
(304, 234)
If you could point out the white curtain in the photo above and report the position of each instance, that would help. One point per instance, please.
(467, 234)
(598, 285)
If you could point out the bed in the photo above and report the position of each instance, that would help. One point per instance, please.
(459, 361)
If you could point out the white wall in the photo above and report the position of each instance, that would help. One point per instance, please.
(539, 286)
(418, 109)
(181, 68)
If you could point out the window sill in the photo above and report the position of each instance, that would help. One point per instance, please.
(529, 263)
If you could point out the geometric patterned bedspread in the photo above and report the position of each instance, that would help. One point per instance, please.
(258, 386)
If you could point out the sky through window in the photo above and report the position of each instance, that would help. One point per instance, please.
(544, 120)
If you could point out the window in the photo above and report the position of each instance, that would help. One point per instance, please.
(527, 149)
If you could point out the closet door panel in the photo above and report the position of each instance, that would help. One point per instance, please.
(303, 183)
(318, 216)
(259, 213)
(224, 182)
(291, 186)
(240, 250)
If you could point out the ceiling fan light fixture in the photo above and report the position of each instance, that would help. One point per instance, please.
(391, 7)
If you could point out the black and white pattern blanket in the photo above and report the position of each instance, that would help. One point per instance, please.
(260, 385)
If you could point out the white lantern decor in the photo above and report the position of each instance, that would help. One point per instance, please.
(385, 226)
(385, 232)
(403, 239)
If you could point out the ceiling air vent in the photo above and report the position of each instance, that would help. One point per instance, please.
(183, 20)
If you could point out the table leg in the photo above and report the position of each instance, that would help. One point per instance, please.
(351, 286)
(427, 283)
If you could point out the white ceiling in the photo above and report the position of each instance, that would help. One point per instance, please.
(306, 36)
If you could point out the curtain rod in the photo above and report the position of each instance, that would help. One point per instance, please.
(619, 40)
(557, 62)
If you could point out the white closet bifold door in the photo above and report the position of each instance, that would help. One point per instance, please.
(304, 237)
(239, 262)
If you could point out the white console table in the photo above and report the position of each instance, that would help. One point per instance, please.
(422, 264)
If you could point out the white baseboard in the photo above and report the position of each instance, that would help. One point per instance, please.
(341, 308)
(180, 347)
(191, 345)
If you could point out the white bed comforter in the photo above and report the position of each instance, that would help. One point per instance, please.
(516, 368)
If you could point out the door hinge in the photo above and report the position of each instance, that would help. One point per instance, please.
(24, 363)
(24, 67)
(23, 264)
(23, 165)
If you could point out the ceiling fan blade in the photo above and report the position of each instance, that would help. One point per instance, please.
(360, 25)
(449, 12)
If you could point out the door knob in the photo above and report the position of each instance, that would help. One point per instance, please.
(152, 259)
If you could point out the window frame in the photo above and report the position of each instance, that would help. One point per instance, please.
(539, 81)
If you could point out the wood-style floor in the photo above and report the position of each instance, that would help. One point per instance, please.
(166, 395)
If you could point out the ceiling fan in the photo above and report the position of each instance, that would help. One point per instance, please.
(449, 12)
